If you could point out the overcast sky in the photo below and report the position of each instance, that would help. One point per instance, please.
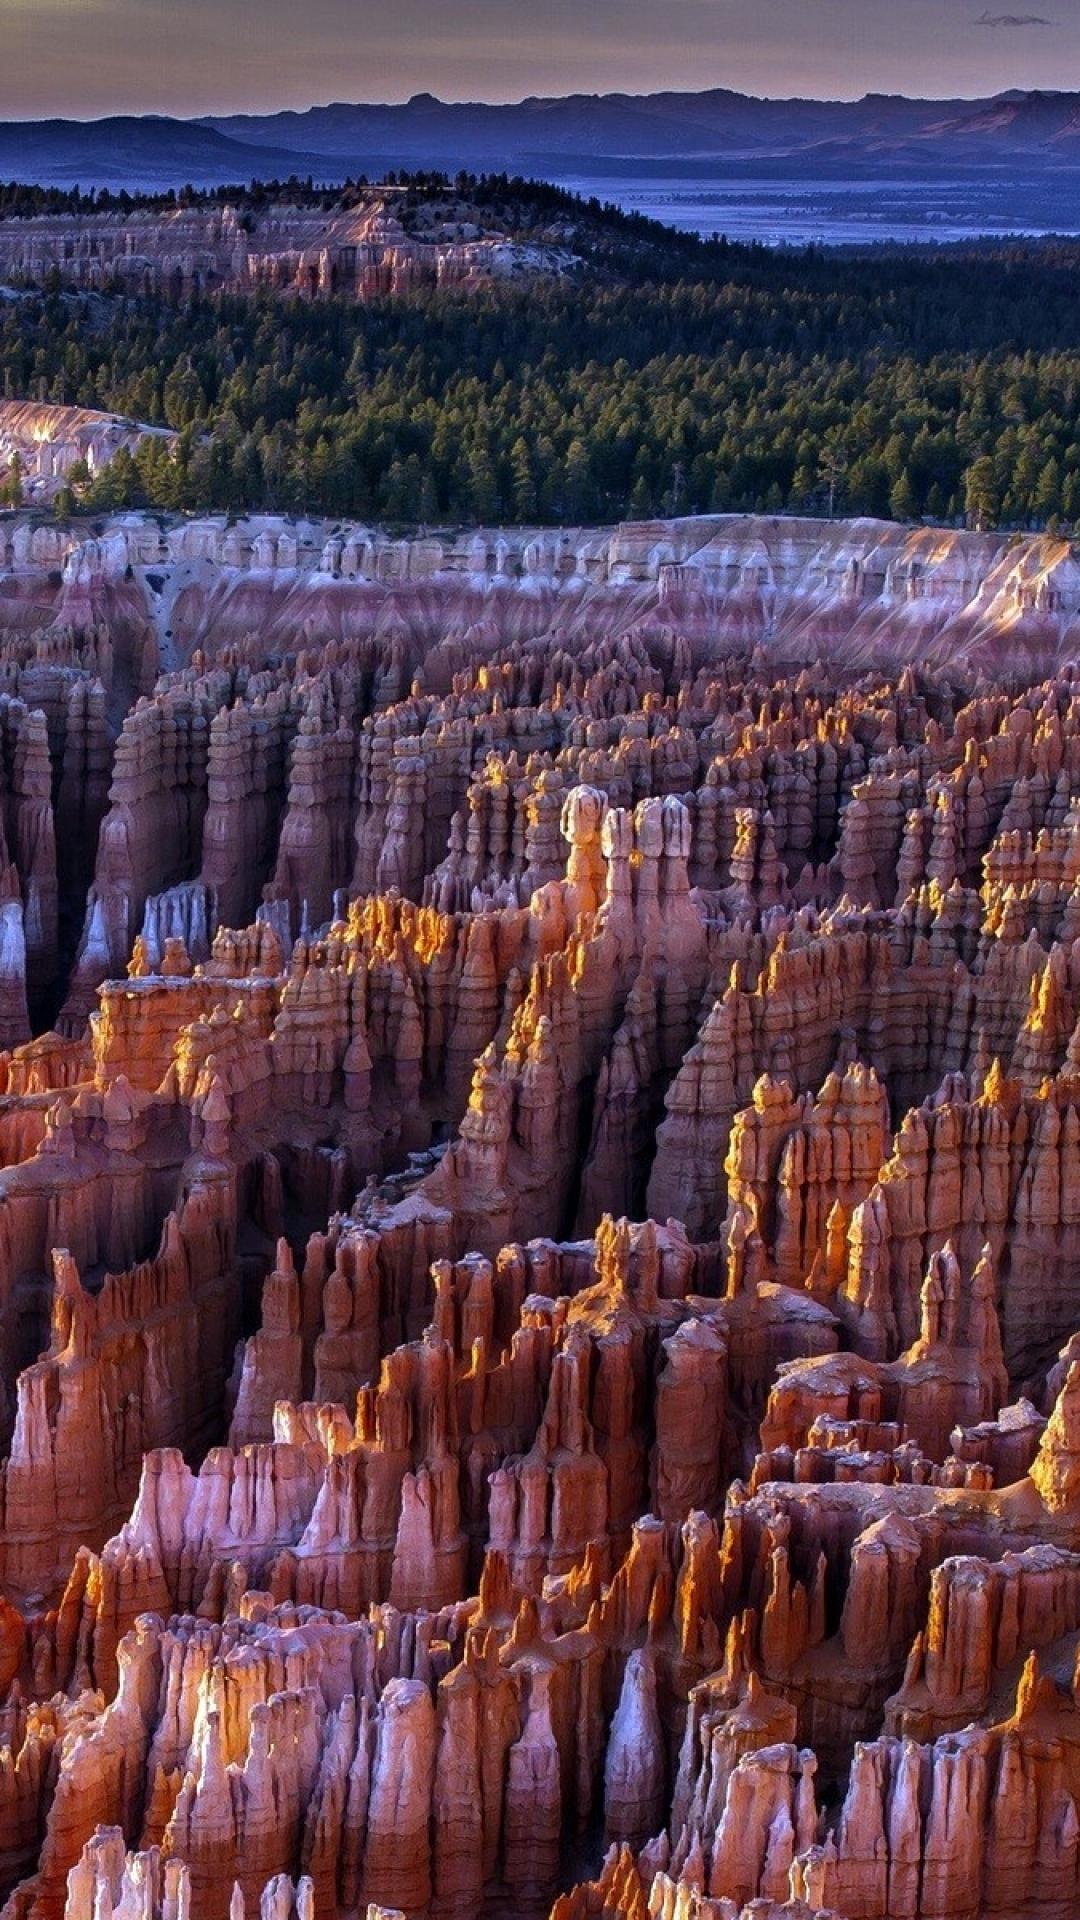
(89, 57)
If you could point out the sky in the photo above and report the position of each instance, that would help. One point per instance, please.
(90, 57)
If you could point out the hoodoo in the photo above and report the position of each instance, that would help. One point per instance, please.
(540, 1280)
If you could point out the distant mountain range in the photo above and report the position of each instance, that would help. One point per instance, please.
(718, 126)
(716, 133)
(142, 153)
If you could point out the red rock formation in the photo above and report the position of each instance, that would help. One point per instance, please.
(538, 1277)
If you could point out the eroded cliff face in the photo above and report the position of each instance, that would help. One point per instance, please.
(539, 1237)
(49, 441)
(858, 593)
(357, 252)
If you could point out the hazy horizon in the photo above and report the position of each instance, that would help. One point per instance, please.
(88, 59)
(508, 100)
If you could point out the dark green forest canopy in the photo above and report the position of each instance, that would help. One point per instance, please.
(669, 377)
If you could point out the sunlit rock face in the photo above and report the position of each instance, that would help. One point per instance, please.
(539, 1239)
(857, 594)
(46, 443)
(360, 252)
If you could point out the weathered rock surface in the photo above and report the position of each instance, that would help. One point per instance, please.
(49, 441)
(539, 1224)
(361, 251)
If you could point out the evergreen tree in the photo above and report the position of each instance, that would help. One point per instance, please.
(429, 500)
(1047, 501)
(11, 493)
(522, 483)
(639, 506)
(577, 486)
(980, 494)
(182, 395)
(483, 488)
(832, 468)
(902, 497)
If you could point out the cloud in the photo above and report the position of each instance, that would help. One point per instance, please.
(988, 19)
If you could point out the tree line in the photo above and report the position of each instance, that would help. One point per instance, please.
(717, 378)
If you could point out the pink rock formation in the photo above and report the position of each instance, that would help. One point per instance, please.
(50, 441)
(539, 1302)
(361, 250)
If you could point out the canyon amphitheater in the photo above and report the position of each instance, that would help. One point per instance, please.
(539, 1222)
